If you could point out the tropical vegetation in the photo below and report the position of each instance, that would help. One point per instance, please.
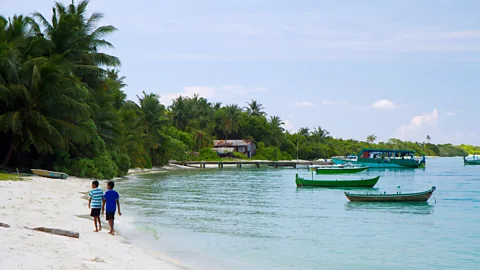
(62, 107)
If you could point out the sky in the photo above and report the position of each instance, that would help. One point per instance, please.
(399, 68)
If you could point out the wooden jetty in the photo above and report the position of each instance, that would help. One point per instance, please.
(257, 163)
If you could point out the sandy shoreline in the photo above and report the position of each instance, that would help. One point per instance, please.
(43, 202)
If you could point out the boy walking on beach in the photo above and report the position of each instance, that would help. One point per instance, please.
(95, 203)
(111, 200)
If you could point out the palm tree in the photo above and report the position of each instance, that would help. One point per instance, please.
(180, 113)
(428, 138)
(254, 108)
(74, 35)
(201, 130)
(44, 103)
(276, 128)
(304, 132)
(230, 119)
(320, 134)
(371, 138)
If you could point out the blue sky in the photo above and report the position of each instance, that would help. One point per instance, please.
(400, 69)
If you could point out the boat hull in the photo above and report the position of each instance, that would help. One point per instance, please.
(340, 170)
(407, 197)
(50, 174)
(367, 183)
(382, 163)
(471, 162)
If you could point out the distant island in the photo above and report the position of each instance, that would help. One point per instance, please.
(61, 109)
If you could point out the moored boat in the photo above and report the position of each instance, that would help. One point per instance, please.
(383, 158)
(350, 159)
(474, 161)
(341, 169)
(398, 197)
(50, 174)
(367, 183)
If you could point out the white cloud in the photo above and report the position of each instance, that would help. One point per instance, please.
(384, 104)
(303, 104)
(210, 92)
(450, 113)
(288, 126)
(419, 127)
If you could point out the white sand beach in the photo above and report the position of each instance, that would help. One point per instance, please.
(43, 202)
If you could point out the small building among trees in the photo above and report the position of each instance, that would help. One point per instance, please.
(227, 147)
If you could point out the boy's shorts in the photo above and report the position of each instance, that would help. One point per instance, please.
(110, 215)
(95, 212)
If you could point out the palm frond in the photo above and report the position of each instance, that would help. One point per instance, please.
(11, 121)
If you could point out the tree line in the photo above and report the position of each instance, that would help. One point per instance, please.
(62, 107)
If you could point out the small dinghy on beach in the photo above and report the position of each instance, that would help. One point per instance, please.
(50, 174)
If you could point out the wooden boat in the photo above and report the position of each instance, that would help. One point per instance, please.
(341, 169)
(383, 158)
(368, 183)
(398, 197)
(314, 168)
(474, 161)
(50, 174)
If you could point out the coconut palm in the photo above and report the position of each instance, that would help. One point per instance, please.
(320, 134)
(201, 129)
(43, 104)
(230, 119)
(304, 131)
(254, 108)
(74, 35)
(180, 113)
(428, 138)
(371, 138)
(276, 128)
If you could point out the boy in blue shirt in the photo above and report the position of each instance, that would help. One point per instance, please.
(110, 198)
(95, 203)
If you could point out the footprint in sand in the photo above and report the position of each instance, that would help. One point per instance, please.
(98, 260)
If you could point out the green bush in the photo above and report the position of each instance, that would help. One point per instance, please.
(175, 149)
(207, 154)
(122, 161)
(271, 153)
(85, 168)
(239, 155)
(105, 166)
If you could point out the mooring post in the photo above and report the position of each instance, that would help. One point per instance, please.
(257, 165)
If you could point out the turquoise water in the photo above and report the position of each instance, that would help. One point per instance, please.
(252, 218)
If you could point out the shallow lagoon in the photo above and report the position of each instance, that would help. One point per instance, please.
(253, 218)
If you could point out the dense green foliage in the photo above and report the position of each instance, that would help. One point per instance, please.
(62, 107)
(471, 149)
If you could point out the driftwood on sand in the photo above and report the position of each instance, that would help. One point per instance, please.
(57, 232)
(4, 225)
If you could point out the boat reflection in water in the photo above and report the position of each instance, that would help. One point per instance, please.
(416, 208)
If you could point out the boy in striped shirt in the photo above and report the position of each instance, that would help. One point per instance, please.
(95, 203)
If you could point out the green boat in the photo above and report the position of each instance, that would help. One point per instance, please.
(339, 169)
(367, 183)
(474, 161)
(383, 158)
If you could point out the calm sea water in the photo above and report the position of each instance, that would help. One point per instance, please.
(253, 218)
